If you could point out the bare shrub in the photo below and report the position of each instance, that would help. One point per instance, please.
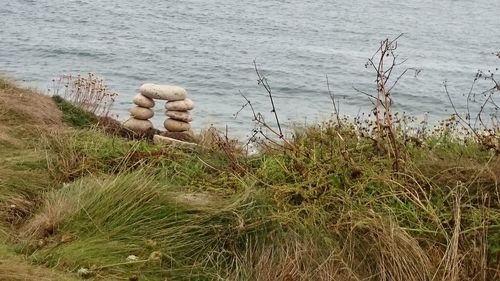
(384, 61)
(264, 133)
(481, 119)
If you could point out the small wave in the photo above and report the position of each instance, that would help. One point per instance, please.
(75, 52)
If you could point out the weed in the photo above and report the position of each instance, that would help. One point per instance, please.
(87, 92)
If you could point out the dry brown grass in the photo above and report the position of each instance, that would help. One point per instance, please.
(7, 139)
(47, 220)
(368, 248)
(482, 177)
(19, 106)
(25, 115)
(17, 270)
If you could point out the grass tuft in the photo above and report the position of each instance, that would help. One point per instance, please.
(74, 116)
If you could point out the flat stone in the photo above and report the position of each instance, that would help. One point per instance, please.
(179, 115)
(176, 126)
(163, 92)
(137, 125)
(197, 199)
(182, 136)
(181, 105)
(143, 101)
(170, 141)
(141, 113)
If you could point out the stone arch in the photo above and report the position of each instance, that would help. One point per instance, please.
(177, 108)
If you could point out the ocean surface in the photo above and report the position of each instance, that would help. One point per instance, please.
(209, 47)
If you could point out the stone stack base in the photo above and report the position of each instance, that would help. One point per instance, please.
(140, 114)
(178, 115)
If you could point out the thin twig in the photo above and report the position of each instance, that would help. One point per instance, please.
(456, 112)
(332, 97)
(263, 81)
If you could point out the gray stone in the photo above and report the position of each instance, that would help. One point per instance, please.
(176, 126)
(179, 115)
(197, 199)
(181, 105)
(143, 101)
(163, 92)
(170, 141)
(141, 113)
(137, 125)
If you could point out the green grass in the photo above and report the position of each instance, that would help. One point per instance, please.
(112, 218)
(313, 203)
(74, 116)
(332, 209)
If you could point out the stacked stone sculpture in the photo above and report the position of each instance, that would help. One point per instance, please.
(178, 115)
(177, 108)
(140, 114)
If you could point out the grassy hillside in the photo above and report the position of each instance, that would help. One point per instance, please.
(79, 203)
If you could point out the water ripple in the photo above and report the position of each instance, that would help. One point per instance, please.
(209, 48)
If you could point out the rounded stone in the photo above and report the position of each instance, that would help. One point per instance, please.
(179, 115)
(176, 126)
(181, 105)
(143, 101)
(141, 113)
(163, 92)
(137, 125)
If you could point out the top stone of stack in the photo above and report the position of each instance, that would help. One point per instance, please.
(163, 92)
